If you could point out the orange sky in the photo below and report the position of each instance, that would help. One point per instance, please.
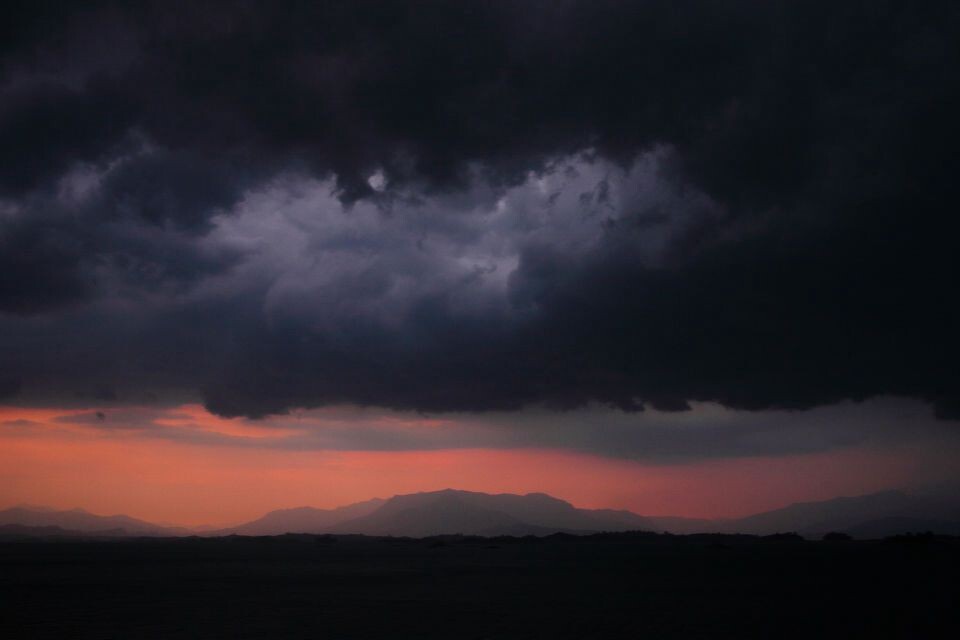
(115, 470)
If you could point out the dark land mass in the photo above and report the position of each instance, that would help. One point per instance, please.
(453, 511)
(560, 586)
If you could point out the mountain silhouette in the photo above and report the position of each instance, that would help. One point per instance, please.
(895, 508)
(300, 520)
(452, 511)
(431, 514)
(472, 513)
(81, 521)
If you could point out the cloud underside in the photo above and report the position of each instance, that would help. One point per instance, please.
(480, 206)
(705, 432)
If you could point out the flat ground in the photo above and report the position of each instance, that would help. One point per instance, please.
(559, 587)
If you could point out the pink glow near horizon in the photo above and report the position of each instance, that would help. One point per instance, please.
(66, 465)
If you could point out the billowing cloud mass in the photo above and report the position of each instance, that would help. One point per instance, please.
(479, 206)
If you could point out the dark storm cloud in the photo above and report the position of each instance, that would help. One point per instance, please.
(802, 251)
(56, 253)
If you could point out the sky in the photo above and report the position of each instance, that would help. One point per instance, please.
(687, 258)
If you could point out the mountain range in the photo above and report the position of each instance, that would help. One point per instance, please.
(81, 521)
(472, 513)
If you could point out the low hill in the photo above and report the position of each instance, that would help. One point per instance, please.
(884, 527)
(82, 521)
(300, 520)
(850, 514)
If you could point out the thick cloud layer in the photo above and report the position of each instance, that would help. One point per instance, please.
(703, 433)
(463, 206)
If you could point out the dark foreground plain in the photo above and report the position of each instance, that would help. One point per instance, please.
(607, 585)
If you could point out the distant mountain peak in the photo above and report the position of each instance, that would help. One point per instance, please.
(300, 519)
(81, 520)
(452, 510)
(449, 511)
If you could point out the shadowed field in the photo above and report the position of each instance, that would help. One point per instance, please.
(611, 585)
